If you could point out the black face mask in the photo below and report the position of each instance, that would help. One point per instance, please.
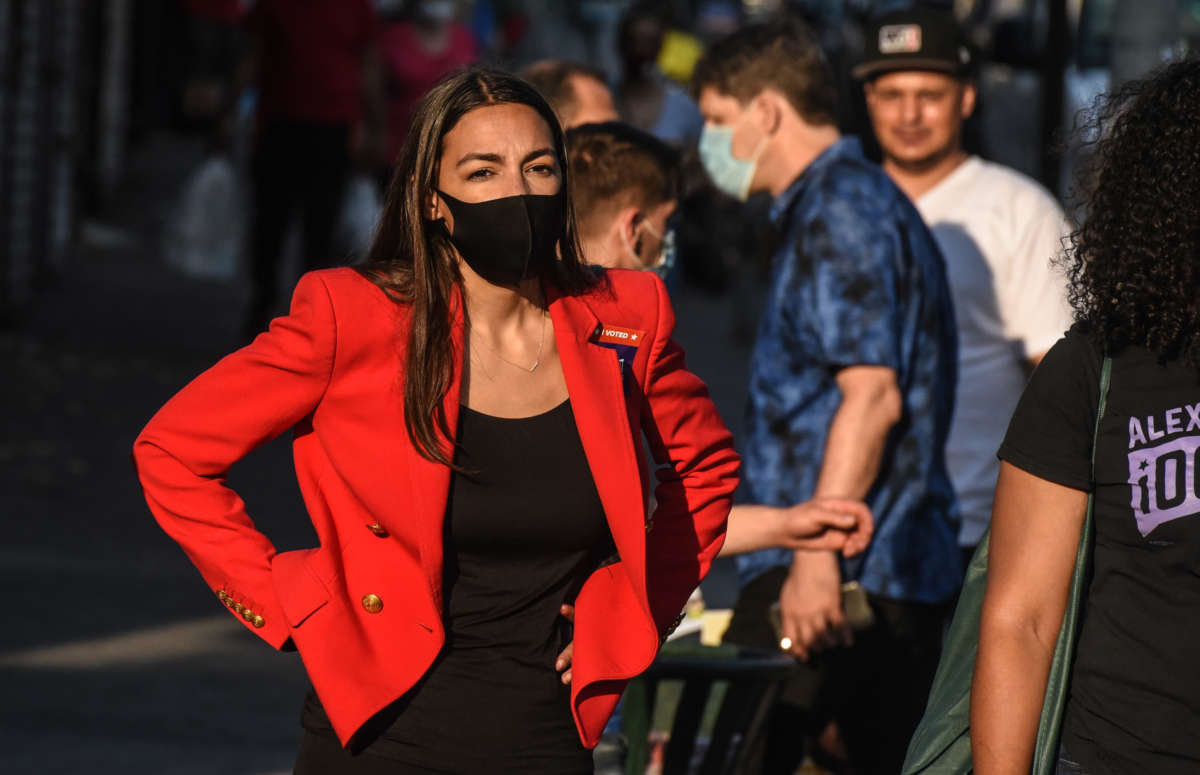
(507, 240)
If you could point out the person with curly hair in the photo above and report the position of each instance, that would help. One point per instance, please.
(1134, 267)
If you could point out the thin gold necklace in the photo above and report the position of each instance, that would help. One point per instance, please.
(536, 361)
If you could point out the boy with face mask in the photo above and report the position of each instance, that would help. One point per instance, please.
(626, 185)
(851, 393)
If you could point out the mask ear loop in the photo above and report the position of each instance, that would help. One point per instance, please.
(759, 150)
(658, 261)
(662, 248)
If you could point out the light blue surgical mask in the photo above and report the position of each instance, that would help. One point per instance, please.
(728, 173)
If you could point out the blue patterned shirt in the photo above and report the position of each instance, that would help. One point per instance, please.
(858, 281)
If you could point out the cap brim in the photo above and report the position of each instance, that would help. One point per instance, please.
(867, 70)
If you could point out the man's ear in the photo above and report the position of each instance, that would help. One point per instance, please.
(967, 101)
(768, 107)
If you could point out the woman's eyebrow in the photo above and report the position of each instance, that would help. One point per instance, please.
(496, 158)
(539, 152)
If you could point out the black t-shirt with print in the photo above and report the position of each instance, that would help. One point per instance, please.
(1134, 703)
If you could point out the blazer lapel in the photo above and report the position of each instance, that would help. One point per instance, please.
(593, 378)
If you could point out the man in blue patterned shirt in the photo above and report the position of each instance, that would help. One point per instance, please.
(851, 394)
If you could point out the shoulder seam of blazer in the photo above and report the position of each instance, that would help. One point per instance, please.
(334, 346)
(660, 338)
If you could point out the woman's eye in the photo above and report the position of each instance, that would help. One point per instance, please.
(542, 169)
(480, 174)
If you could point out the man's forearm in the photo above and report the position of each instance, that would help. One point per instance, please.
(870, 406)
(854, 448)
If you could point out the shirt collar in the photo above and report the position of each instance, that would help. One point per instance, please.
(843, 148)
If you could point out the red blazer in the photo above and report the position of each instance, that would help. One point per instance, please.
(364, 608)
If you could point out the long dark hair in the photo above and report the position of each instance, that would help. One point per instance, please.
(412, 259)
(1134, 262)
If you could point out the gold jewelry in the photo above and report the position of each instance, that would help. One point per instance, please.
(536, 361)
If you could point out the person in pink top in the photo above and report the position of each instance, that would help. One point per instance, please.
(417, 50)
(315, 66)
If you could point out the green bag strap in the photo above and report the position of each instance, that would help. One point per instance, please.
(1045, 751)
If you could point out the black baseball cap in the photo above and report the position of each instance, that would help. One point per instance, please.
(916, 38)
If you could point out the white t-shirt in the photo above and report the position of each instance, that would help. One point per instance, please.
(998, 231)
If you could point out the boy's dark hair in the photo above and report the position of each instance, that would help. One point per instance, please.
(615, 165)
(552, 77)
(781, 54)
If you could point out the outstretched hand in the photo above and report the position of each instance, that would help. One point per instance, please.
(832, 524)
(827, 523)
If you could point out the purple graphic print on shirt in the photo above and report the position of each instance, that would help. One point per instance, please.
(1162, 478)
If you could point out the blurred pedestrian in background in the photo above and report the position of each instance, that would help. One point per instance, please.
(998, 230)
(467, 409)
(315, 64)
(851, 393)
(421, 43)
(645, 97)
(215, 46)
(1134, 266)
(578, 93)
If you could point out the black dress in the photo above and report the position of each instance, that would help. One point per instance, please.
(524, 529)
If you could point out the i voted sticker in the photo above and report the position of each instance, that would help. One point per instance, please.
(617, 335)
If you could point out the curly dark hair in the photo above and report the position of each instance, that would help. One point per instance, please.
(1134, 263)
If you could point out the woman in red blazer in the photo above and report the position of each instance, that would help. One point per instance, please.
(468, 412)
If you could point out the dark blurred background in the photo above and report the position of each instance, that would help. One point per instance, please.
(125, 129)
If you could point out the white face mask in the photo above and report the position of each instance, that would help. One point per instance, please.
(662, 263)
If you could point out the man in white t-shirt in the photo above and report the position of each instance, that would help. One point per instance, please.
(997, 229)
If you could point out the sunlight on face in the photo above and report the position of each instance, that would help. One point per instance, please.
(497, 151)
(918, 116)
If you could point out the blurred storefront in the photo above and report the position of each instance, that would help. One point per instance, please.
(42, 50)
